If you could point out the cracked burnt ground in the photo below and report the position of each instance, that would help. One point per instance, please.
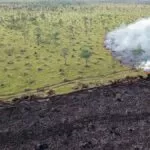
(112, 117)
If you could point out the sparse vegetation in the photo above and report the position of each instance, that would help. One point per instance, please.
(31, 42)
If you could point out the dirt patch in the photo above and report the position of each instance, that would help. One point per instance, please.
(111, 117)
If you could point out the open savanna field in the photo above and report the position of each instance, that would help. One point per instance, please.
(42, 47)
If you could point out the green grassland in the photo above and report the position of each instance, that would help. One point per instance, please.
(32, 42)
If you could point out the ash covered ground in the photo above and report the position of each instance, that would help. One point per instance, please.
(112, 117)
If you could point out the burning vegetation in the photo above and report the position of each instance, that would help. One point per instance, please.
(131, 44)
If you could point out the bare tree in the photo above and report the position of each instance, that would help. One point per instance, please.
(64, 54)
(38, 34)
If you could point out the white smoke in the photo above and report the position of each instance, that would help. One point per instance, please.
(131, 44)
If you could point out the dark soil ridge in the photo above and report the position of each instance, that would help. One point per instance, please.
(110, 117)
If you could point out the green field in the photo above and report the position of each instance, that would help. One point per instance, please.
(32, 44)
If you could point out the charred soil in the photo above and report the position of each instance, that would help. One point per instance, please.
(111, 117)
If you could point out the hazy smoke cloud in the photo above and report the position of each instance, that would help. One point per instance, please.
(131, 44)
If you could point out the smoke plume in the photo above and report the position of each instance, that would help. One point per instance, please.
(131, 44)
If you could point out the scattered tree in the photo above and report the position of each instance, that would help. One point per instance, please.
(137, 53)
(64, 54)
(85, 19)
(38, 34)
(25, 33)
(86, 54)
(42, 15)
(55, 37)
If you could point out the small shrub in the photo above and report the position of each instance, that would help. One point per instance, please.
(25, 74)
(61, 70)
(10, 62)
(80, 86)
(84, 86)
(27, 90)
(66, 80)
(80, 72)
(2, 84)
(45, 58)
(22, 50)
(51, 92)
(32, 82)
(40, 89)
(39, 69)
(5, 69)
(27, 57)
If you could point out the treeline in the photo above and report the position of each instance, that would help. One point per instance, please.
(67, 2)
(51, 4)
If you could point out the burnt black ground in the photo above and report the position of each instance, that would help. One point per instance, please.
(112, 117)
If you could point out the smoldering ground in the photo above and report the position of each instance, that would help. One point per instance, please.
(131, 43)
